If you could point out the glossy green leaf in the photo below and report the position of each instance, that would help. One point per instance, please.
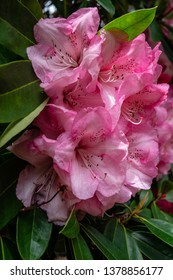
(9, 203)
(80, 248)
(15, 127)
(124, 244)
(107, 5)
(152, 247)
(10, 38)
(19, 91)
(71, 228)
(34, 7)
(159, 214)
(169, 196)
(16, 14)
(101, 242)
(133, 23)
(33, 234)
(161, 229)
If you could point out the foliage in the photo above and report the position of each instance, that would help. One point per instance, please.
(136, 230)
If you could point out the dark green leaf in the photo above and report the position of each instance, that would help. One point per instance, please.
(101, 242)
(34, 7)
(15, 127)
(158, 35)
(159, 214)
(133, 23)
(107, 5)
(10, 205)
(5, 253)
(33, 234)
(161, 229)
(169, 196)
(152, 247)
(19, 91)
(124, 244)
(8, 250)
(80, 248)
(71, 228)
(7, 56)
(16, 14)
(12, 39)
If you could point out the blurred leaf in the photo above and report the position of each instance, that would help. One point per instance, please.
(80, 248)
(16, 14)
(19, 91)
(169, 196)
(15, 127)
(33, 234)
(10, 205)
(161, 229)
(146, 213)
(159, 214)
(124, 244)
(71, 228)
(101, 242)
(133, 23)
(157, 35)
(107, 5)
(34, 7)
(146, 196)
(152, 247)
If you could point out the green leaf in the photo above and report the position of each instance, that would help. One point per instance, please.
(19, 91)
(107, 5)
(33, 234)
(159, 214)
(10, 205)
(16, 14)
(158, 35)
(101, 242)
(146, 213)
(161, 229)
(7, 56)
(34, 7)
(80, 248)
(12, 39)
(15, 127)
(152, 247)
(71, 228)
(133, 23)
(169, 196)
(146, 196)
(124, 244)
(8, 250)
(5, 253)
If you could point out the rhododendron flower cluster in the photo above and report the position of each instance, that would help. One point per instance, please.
(97, 142)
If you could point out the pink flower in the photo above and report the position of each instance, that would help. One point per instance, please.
(67, 52)
(128, 77)
(38, 183)
(143, 156)
(90, 158)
